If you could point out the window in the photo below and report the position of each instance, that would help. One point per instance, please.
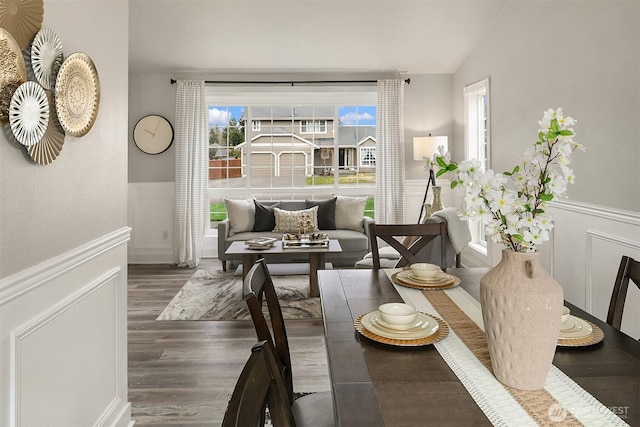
(477, 143)
(367, 156)
(297, 146)
(313, 126)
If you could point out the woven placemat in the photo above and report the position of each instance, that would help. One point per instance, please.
(443, 331)
(593, 338)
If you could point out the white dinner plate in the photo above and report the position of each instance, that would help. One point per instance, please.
(570, 325)
(432, 328)
(419, 324)
(581, 329)
(439, 280)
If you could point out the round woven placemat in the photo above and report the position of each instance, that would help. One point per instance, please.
(443, 331)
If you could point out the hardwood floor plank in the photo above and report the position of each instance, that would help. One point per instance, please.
(181, 373)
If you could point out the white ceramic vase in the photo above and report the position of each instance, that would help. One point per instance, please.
(522, 310)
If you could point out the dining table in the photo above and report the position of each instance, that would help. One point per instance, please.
(449, 382)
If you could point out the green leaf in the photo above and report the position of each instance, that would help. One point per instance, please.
(441, 172)
(554, 125)
(440, 161)
(551, 135)
(516, 169)
(538, 211)
(517, 237)
(452, 167)
(541, 136)
(454, 184)
(527, 208)
(566, 132)
(545, 197)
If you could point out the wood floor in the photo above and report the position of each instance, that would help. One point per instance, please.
(182, 372)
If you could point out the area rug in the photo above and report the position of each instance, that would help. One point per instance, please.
(217, 295)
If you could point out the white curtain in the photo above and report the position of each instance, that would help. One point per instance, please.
(191, 173)
(390, 171)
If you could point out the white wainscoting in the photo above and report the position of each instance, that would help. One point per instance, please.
(63, 352)
(588, 243)
(150, 215)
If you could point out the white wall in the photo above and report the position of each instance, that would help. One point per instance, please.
(63, 263)
(585, 57)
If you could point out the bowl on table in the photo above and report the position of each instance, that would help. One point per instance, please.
(396, 313)
(424, 270)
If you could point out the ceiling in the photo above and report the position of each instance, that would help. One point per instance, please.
(306, 36)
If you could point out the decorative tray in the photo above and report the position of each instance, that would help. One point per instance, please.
(314, 240)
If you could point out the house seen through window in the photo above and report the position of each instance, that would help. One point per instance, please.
(290, 152)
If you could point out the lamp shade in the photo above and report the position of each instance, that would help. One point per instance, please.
(427, 146)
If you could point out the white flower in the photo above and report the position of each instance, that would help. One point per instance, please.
(515, 214)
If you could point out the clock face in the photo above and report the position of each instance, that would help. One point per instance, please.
(153, 134)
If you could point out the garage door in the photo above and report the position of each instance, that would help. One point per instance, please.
(292, 164)
(262, 164)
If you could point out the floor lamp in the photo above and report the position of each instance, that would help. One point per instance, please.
(424, 147)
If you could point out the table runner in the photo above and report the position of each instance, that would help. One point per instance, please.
(562, 402)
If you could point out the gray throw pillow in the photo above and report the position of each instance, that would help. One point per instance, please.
(326, 212)
(265, 219)
(350, 213)
(241, 214)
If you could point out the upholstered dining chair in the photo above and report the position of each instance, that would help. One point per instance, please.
(407, 240)
(260, 385)
(629, 270)
(316, 408)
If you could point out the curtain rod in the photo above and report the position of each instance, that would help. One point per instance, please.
(292, 83)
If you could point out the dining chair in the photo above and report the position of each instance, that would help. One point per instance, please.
(259, 386)
(315, 408)
(629, 269)
(417, 235)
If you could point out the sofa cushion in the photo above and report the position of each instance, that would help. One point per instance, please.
(265, 219)
(241, 214)
(326, 212)
(350, 212)
(289, 221)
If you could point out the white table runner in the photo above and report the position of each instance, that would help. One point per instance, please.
(500, 407)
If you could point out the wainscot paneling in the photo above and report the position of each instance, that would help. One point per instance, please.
(588, 243)
(63, 351)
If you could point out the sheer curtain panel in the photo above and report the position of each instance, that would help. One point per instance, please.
(191, 173)
(390, 197)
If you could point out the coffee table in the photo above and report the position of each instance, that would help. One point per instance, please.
(316, 258)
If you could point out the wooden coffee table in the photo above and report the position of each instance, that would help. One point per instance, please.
(316, 258)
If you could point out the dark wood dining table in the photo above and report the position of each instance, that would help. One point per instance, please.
(375, 384)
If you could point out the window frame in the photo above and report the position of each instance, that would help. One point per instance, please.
(269, 95)
(477, 140)
(364, 156)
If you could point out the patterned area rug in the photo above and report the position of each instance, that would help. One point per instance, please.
(217, 295)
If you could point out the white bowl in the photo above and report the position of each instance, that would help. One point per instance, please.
(396, 313)
(424, 270)
(565, 314)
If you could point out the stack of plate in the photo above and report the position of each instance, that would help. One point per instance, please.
(577, 332)
(424, 330)
(441, 281)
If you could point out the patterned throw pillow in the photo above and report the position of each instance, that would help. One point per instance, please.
(288, 221)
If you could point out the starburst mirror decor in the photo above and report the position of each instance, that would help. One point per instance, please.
(46, 57)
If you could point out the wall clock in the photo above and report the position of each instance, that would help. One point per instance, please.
(153, 134)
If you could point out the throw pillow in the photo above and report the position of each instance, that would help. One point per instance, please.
(264, 219)
(289, 221)
(241, 214)
(350, 213)
(326, 212)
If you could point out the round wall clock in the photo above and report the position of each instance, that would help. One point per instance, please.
(153, 134)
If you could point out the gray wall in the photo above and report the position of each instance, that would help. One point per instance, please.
(48, 210)
(583, 56)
